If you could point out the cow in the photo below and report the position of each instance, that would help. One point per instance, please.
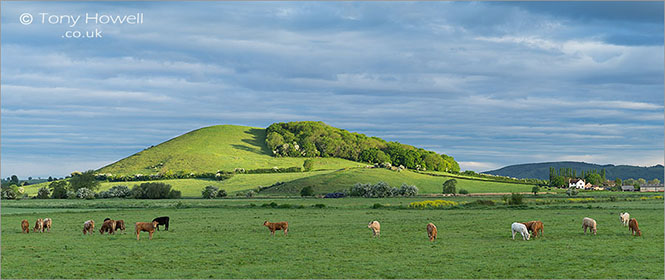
(25, 226)
(277, 226)
(39, 225)
(107, 226)
(149, 227)
(534, 227)
(88, 227)
(376, 228)
(431, 231)
(47, 224)
(119, 226)
(590, 224)
(624, 217)
(634, 229)
(162, 221)
(521, 228)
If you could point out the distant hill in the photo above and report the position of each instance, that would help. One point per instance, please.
(541, 170)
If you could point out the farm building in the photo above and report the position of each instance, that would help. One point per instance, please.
(576, 183)
(627, 188)
(652, 188)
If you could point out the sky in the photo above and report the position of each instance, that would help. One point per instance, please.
(489, 83)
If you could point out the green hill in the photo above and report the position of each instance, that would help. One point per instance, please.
(541, 170)
(221, 147)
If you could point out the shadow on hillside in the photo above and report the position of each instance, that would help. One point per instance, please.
(257, 142)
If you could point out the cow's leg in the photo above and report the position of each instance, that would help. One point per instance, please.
(151, 234)
(286, 230)
(167, 226)
(137, 235)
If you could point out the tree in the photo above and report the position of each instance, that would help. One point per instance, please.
(593, 178)
(641, 182)
(449, 187)
(58, 189)
(308, 165)
(655, 181)
(558, 181)
(617, 182)
(307, 191)
(221, 193)
(535, 190)
(83, 180)
(49, 179)
(209, 192)
(14, 180)
(43, 193)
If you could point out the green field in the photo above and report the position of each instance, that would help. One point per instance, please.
(220, 147)
(225, 239)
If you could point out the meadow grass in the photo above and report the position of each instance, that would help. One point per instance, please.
(226, 239)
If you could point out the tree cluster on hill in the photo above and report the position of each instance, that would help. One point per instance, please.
(381, 189)
(316, 139)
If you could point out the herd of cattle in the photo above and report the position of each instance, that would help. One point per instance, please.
(525, 229)
(109, 225)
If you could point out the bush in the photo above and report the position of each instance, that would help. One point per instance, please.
(152, 191)
(377, 205)
(221, 193)
(463, 191)
(407, 190)
(381, 189)
(71, 195)
(174, 194)
(319, 205)
(307, 191)
(85, 193)
(572, 192)
(209, 192)
(449, 187)
(120, 191)
(8, 193)
(516, 199)
(335, 195)
(308, 165)
(250, 193)
(44, 193)
(427, 204)
(58, 189)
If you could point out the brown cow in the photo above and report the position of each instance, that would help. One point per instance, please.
(47, 224)
(534, 227)
(88, 227)
(120, 226)
(632, 225)
(108, 226)
(149, 227)
(25, 226)
(277, 226)
(39, 225)
(431, 231)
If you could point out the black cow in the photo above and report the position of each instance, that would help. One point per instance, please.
(162, 221)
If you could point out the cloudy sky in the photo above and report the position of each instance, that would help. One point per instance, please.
(491, 84)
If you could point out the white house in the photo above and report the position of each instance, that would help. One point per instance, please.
(576, 183)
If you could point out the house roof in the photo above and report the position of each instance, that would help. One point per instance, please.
(627, 187)
(574, 181)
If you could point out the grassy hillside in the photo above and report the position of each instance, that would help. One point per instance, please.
(221, 147)
(541, 170)
(344, 179)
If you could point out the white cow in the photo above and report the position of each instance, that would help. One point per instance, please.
(625, 217)
(521, 228)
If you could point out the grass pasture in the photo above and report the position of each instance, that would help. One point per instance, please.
(332, 242)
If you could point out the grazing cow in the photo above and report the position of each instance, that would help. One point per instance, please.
(376, 228)
(47, 224)
(162, 221)
(431, 231)
(632, 225)
(590, 224)
(277, 226)
(88, 227)
(521, 228)
(149, 227)
(108, 226)
(119, 226)
(534, 227)
(624, 217)
(39, 225)
(25, 226)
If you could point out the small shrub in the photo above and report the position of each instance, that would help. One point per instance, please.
(307, 191)
(44, 193)
(572, 192)
(271, 205)
(85, 193)
(71, 195)
(449, 187)
(250, 193)
(153, 191)
(516, 199)
(221, 193)
(319, 205)
(463, 191)
(408, 190)
(8, 193)
(308, 165)
(285, 206)
(175, 194)
(209, 192)
(119, 191)
(377, 205)
(613, 198)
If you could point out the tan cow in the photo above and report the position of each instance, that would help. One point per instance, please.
(25, 226)
(39, 225)
(376, 228)
(149, 227)
(88, 227)
(277, 226)
(108, 226)
(624, 217)
(590, 224)
(47, 224)
(431, 231)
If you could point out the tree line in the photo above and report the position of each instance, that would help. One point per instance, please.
(317, 139)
